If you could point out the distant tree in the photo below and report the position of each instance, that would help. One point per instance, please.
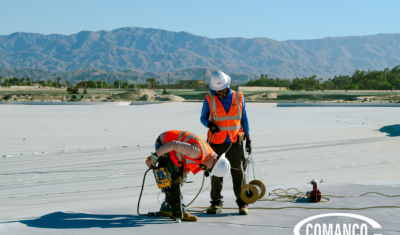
(301, 87)
(13, 81)
(58, 84)
(346, 87)
(116, 83)
(1, 78)
(151, 82)
(125, 84)
(28, 81)
(311, 82)
(372, 84)
(327, 85)
(341, 81)
(93, 84)
(319, 87)
(7, 82)
(104, 84)
(355, 86)
(385, 86)
(49, 83)
(294, 86)
(21, 81)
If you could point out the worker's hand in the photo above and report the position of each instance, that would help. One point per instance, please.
(213, 128)
(248, 144)
(186, 171)
(184, 178)
(152, 160)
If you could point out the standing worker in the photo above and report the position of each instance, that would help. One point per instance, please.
(182, 152)
(224, 113)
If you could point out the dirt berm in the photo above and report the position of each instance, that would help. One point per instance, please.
(146, 95)
(263, 96)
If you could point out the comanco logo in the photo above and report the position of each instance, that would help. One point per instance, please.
(360, 228)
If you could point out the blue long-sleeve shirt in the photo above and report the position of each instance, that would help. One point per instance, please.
(226, 103)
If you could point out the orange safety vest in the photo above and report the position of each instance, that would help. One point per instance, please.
(188, 137)
(229, 123)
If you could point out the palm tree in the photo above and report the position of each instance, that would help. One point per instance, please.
(151, 81)
(58, 80)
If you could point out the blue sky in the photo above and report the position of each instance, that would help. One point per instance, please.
(279, 20)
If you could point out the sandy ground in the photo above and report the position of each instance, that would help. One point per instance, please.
(263, 96)
(132, 95)
(146, 95)
(82, 167)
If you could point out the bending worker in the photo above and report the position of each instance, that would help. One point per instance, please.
(224, 113)
(182, 152)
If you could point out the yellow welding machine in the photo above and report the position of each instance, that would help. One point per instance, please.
(162, 177)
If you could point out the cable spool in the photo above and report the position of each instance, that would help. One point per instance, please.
(252, 192)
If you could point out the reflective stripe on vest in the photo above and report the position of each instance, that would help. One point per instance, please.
(230, 128)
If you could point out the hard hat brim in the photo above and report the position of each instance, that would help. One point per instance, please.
(220, 159)
(220, 88)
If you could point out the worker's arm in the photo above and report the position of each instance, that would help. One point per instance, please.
(245, 120)
(191, 150)
(205, 113)
(246, 127)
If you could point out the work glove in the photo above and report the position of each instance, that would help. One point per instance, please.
(152, 160)
(182, 180)
(213, 128)
(248, 144)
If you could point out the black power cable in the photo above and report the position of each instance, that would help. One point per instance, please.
(144, 178)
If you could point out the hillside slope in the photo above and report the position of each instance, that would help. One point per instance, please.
(158, 50)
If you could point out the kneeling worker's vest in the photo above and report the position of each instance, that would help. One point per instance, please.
(188, 137)
(229, 123)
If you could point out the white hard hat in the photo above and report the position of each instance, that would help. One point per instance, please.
(219, 81)
(221, 167)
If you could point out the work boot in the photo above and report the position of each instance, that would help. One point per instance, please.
(215, 208)
(165, 213)
(243, 210)
(189, 217)
(186, 216)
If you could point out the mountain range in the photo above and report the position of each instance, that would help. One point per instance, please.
(143, 50)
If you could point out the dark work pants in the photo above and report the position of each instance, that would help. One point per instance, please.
(235, 155)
